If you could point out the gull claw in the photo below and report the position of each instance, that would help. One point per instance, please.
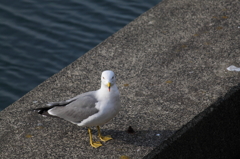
(105, 138)
(96, 144)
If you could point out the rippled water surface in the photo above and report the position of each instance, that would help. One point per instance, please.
(38, 37)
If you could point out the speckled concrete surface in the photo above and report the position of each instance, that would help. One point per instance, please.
(170, 65)
(212, 134)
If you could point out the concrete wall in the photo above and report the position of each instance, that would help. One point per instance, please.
(214, 133)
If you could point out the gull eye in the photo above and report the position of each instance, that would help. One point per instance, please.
(103, 77)
(113, 77)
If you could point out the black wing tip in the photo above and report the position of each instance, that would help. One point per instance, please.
(39, 110)
(42, 111)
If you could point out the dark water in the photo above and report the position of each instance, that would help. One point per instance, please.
(38, 37)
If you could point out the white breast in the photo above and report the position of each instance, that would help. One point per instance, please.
(108, 106)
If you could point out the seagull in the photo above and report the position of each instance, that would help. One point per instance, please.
(89, 109)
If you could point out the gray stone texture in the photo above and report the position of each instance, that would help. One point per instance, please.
(170, 65)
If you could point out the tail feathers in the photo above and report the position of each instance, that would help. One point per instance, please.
(43, 111)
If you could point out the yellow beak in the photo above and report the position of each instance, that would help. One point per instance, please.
(109, 85)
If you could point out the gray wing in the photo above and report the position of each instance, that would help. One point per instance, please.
(77, 109)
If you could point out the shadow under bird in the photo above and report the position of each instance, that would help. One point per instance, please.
(89, 109)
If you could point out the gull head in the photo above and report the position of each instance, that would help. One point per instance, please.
(108, 79)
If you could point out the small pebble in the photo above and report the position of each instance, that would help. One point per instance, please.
(130, 130)
(39, 124)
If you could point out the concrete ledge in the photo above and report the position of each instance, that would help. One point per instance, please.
(214, 133)
(170, 64)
